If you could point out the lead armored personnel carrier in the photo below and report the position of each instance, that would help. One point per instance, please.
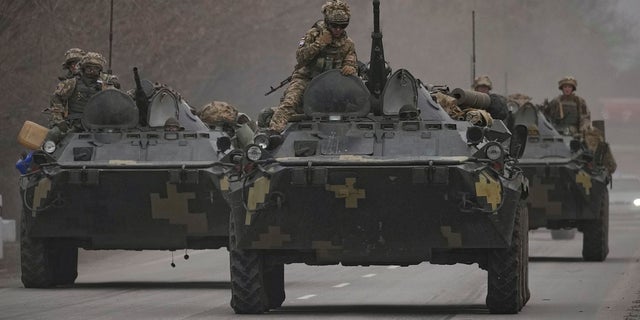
(393, 182)
(567, 184)
(126, 181)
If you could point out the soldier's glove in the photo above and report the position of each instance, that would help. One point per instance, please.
(348, 71)
(324, 38)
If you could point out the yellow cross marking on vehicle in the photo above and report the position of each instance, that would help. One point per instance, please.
(257, 194)
(175, 207)
(348, 192)
(489, 188)
(584, 179)
(274, 238)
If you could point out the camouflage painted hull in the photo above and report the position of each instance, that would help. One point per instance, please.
(397, 213)
(117, 208)
(562, 194)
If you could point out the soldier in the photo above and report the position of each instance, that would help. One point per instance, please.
(325, 46)
(71, 96)
(594, 139)
(70, 65)
(568, 112)
(477, 117)
(223, 115)
(498, 107)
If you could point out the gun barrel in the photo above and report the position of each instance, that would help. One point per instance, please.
(141, 98)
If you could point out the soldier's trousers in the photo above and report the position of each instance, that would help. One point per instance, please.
(290, 103)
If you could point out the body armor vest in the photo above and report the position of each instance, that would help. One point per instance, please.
(571, 115)
(85, 89)
(329, 58)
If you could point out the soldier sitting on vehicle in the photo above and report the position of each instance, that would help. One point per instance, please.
(70, 66)
(71, 96)
(325, 46)
(220, 114)
(568, 112)
(594, 140)
(498, 106)
(475, 116)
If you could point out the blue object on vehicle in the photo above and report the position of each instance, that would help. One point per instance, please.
(24, 164)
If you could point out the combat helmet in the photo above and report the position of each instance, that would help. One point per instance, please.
(482, 80)
(73, 55)
(336, 12)
(568, 80)
(93, 59)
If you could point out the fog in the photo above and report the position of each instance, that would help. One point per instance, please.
(233, 50)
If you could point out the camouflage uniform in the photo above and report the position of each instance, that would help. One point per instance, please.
(594, 139)
(237, 124)
(475, 116)
(498, 107)
(71, 96)
(316, 54)
(71, 58)
(569, 113)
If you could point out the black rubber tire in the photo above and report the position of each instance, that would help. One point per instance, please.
(563, 234)
(274, 281)
(508, 287)
(595, 242)
(36, 264)
(248, 290)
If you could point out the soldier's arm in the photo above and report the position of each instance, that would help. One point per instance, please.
(351, 58)
(585, 114)
(309, 46)
(59, 99)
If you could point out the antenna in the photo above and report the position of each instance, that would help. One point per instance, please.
(473, 46)
(109, 71)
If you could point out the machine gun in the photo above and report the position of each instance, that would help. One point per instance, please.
(377, 73)
(141, 98)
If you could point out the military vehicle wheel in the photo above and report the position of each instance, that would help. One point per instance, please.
(35, 259)
(508, 285)
(563, 234)
(274, 281)
(595, 243)
(248, 289)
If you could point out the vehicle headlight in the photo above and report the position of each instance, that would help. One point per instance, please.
(262, 140)
(254, 153)
(49, 146)
(636, 202)
(494, 151)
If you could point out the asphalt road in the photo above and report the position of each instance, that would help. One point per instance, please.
(143, 285)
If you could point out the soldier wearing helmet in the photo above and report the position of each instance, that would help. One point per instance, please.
(498, 107)
(325, 46)
(70, 65)
(568, 112)
(71, 95)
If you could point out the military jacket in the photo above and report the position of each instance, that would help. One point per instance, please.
(72, 95)
(569, 112)
(313, 59)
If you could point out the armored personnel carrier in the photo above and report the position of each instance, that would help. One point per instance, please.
(126, 181)
(393, 182)
(567, 184)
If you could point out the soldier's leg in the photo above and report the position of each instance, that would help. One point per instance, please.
(290, 102)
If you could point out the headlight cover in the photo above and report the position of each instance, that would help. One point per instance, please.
(254, 153)
(49, 146)
(494, 151)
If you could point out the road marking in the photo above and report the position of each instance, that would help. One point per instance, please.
(369, 275)
(393, 267)
(309, 296)
(341, 285)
